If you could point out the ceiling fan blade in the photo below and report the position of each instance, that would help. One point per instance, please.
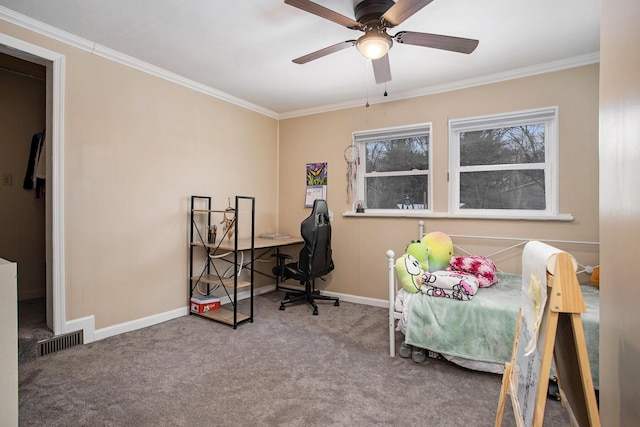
(323, 12)
(324, 52)
(437, 41)
(381, 69)
(402, 10)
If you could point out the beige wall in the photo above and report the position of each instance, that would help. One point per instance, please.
(135, 148)
(619, 212)
(360, 244)
(22, 108)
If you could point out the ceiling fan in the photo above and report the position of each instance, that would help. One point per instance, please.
(374, 17)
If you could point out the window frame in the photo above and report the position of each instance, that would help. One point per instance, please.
(360, 138)
(547, 116)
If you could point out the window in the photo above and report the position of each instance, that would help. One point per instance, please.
(504, 165)
(394, 171)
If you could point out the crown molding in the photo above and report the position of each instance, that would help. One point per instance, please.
(112, 55)
(57, 34)
(548, 67)
(134, 63)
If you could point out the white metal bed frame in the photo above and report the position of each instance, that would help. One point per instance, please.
(519, 242)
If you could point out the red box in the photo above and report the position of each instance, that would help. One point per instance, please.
(202, 304)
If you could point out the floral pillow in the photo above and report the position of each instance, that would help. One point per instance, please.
(481, 267)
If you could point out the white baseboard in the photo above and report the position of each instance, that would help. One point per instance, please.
(90, 335)
(359, 300)
(144, 322)
(87, 324)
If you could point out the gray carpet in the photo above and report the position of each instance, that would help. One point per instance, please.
(32, 327)
(287, 368)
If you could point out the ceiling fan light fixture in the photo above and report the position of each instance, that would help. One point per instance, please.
(374, 44)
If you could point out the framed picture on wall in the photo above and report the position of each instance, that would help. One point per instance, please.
(316, 183)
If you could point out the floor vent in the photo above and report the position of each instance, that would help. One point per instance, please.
(60, 342)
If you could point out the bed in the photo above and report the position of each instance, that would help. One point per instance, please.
(477, 334)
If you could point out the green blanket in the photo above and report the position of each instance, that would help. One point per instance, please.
(483, 329)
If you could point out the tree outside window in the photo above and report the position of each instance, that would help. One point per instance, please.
(395, 171)
(503, 164)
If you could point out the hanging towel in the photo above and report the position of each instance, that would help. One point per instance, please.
(41, 169)
(34, 156)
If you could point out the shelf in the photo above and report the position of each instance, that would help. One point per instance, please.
(213, 279)
(259, 243)
(216, 211)
(203, 220)
(223, 315)
(245, 243)
(209, 210)
(219, 245)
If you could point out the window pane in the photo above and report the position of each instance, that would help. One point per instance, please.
(397, 154)
(511, 189)
(508, 145)
(397, 192)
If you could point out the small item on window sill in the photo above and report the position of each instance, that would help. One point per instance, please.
(360, 206)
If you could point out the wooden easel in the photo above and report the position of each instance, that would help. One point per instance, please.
(561, 338)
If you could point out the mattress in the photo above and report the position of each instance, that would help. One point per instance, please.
(478, 334)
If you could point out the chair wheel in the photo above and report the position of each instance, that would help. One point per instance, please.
(315, 311)
(337, 303)
(281, 307)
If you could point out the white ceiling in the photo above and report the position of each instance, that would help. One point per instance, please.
(244, 48)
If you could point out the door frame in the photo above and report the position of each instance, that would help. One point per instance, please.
(54, 211)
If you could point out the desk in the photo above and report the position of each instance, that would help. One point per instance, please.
(244, 244)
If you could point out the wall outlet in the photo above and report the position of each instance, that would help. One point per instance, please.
(7, 179)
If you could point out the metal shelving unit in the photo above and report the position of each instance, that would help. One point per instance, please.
(210, 273)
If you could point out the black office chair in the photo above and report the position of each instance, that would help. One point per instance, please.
(314, 260)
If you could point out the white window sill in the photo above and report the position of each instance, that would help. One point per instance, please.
(422, 214)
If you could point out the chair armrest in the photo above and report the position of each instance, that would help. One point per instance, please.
(278, 270)
(282, 257)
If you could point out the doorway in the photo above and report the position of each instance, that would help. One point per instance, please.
(23, 171)
(53, 63)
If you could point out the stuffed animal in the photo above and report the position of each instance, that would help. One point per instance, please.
(440, 248)
(420, 251)
(409, 272)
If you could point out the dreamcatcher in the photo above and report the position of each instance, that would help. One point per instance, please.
(352, 156)
(228, 222)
